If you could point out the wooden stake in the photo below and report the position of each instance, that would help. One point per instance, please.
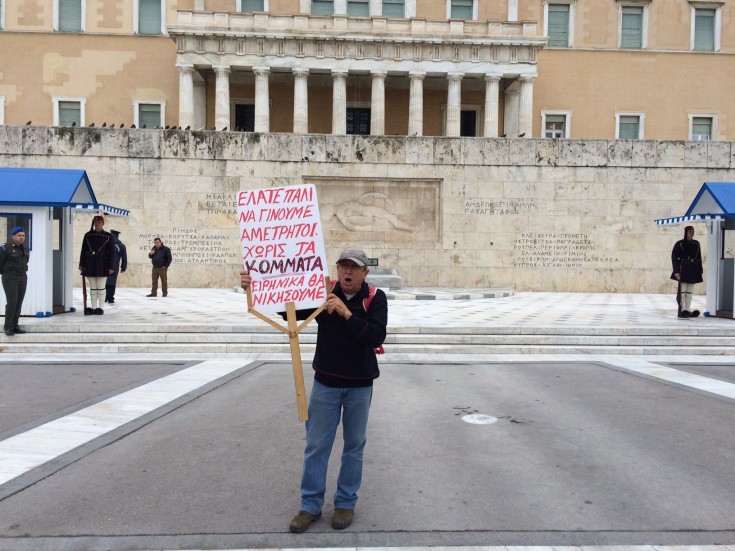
(298, 373)
(293, 331)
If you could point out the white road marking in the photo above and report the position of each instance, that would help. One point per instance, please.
(23, 452)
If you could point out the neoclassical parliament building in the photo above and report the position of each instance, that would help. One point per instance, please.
(590, 69)
(471, 143)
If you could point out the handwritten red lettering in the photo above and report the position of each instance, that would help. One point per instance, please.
(299, 194)
(259, 196)
(306, 247)
(290, 295)
(258, 251)
(282, 245)
(289, 213)
(273, 233)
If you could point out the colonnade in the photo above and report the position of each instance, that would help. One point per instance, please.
(339, 101)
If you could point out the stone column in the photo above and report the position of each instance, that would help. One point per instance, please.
(222, 97)
(200, 105)
(186, 94)
(300, 101)
(262, 99)
(377, 103)
(416, 104)
(492, 91)
(454, 103)
(339, 102)
(525, 107)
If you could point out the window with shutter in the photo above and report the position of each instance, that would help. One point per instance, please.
(558, 25)
(704, 30)
(252, 5)
(70, 112)
(322, 7)
(358, 8)
(629, 127)
(149, 16)
(555, 126)
(70, 16)
(394, 8)
(461, 9)
(702, 128)
(149, 115)
(631, 27)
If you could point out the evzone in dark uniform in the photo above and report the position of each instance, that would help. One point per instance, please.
(14, 256)
(96, 262)
(120, 263)
(686, 263)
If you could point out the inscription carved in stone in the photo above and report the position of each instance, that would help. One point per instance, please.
(558, 250)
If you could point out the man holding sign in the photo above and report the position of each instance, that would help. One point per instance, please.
(352, 325)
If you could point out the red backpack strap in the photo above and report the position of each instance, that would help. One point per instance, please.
(366, 304)
(371, 293)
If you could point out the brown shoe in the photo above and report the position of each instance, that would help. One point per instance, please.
(300, 523)
(342, 518)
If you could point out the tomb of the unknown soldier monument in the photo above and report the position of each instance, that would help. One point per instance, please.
(526, 214)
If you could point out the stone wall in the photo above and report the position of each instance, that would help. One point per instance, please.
(538, 215)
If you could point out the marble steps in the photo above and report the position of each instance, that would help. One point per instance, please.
(397, 353)
(181, 339)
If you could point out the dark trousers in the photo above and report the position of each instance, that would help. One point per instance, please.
(110, 293)
(161, 272)
(15, 290)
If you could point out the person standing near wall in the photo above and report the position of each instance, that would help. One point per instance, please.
(14, 256)
(96, 263)
(160, 256)
(120, 263)
(686, 261)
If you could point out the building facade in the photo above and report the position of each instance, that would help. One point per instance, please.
(592, 69)
(513, 143)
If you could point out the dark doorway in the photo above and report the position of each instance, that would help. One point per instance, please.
(244, 117)
(358, 121)
(468, 123)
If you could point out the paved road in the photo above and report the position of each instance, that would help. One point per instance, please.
(578, 454)
(528, 450)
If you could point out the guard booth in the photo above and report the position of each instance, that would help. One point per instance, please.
(44, 202)
(715, 206)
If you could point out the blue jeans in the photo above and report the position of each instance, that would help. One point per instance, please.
(326, 406)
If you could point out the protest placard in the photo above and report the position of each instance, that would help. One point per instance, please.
(283, 247)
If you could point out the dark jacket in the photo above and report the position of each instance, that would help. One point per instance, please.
(161, 257)
(98, 254)
(686, 260)
(344, 354)
(120, 262)
(14, 259)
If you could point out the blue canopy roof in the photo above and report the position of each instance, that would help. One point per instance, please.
(715, 201)
(51, 187)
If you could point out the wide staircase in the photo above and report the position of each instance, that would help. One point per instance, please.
(422, 321)
(181, 339)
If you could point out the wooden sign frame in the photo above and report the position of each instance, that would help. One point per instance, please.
(292, 330)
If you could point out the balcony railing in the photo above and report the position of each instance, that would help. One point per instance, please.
(344, 26)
